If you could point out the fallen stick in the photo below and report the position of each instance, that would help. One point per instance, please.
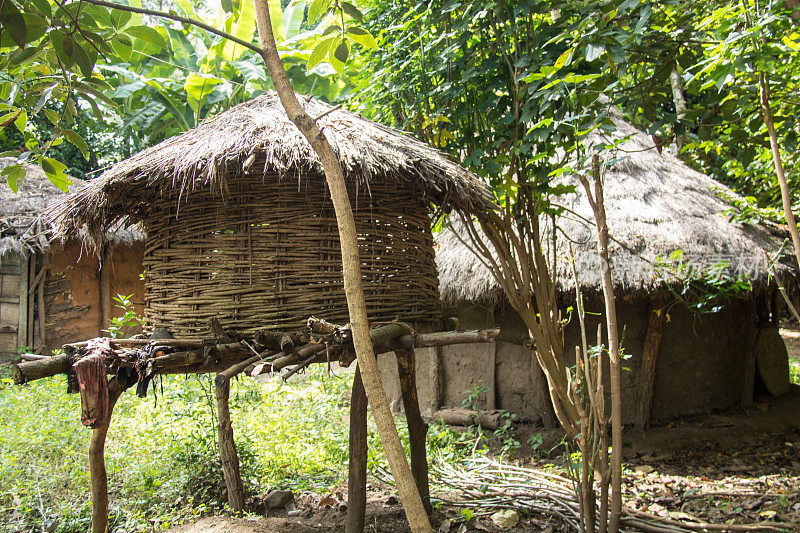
(707, 526)
(179, 343)
(490, 419)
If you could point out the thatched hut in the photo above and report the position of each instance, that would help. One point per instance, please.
(656, 205)
(240, 226)
(54, 284)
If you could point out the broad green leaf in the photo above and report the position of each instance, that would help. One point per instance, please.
(63, 45)
(352, 11)
(122, 48)
(54, 169)
(362, 37)
(562, 59)
(13, 22)
(14, 175)
(44, 7)
(578, 78)
(293, 17)
(198, 87)
(21, 55)
(594, 50)
(317, 9)
(119, 18)
(342, 51)
(44, 97)
(84, 60)
(78, 141)
(276, 16)
(148, 35)
(52, 116)
(243, 28)
(320, 52)
(21, 121)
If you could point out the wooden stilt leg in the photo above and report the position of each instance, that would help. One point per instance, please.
(417, 428)
(97, 464)
(357, 472)
(227, 447)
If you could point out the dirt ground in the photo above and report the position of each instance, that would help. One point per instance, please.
(741, 466)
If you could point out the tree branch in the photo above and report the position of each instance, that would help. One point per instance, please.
(178, 18)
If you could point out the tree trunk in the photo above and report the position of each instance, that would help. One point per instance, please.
(776, 158)
(598, 206)
(97, 464)
(351, 270)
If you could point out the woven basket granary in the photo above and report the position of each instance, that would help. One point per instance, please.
(240, 225)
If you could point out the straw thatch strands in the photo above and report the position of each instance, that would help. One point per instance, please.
(51, 293)
(656, 205)
(240, 225)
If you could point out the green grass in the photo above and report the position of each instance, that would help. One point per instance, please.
(794, 370)
(162, 457)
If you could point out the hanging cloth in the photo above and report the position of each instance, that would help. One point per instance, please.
(92, 377)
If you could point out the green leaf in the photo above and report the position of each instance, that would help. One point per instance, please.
(578, 78)
(63, 45)
(362, 37)
(149, 35)
(13, 22)
(276, 16)
(243, 28)
(22, 121)
(54, 170)
(342, 51)
(123, 49)
(44, 97)
(21, 55)
(319, 52)
(84, 60)
(14, 175)
(293, 17)
(562, 59)
(78, 141)
(44, 7)
(52, 116)
(352, 11)
(119, 18)
(317, 9)
(198, 87)
(594, 50)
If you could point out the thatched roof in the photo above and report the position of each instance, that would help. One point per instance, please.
(655, 205)
(258, 137)
(24, 228)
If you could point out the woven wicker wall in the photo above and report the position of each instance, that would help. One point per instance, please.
(268, 256)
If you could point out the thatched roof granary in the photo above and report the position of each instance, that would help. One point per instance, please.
(51, 293)
(240, 226)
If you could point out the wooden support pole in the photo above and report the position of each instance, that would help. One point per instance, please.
(29, 310)
(97, 464)
(105, 290)
(417, 428)
(357, 467)
(646, 376)
(40, 303)
(750, 332)
(227, 447)
(541, 394)
(436, 380)
(22, 312)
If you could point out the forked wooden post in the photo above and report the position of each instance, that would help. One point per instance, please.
(417, 428)
(357, 468)
(227, 446)
(647, 370)
(97, 464)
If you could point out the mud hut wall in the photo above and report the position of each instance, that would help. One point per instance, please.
(13, 300)
(700, 366)
(73, 300)
(266, 254)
